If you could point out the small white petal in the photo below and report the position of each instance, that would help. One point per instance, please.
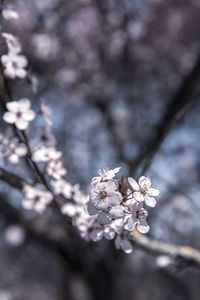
(27, 203)
(96, 235)
(91, 210)
(103, 218)
(133, 183)
(150, 201)
(127, 246)
(68, 209)
(142, 226)
(116, 212)
(144, 182)
(9, 117)
(138, 196)
(153, 192)
(21, 124)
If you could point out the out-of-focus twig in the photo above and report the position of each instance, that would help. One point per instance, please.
(12, 179)
(187, 253)
(177, 107)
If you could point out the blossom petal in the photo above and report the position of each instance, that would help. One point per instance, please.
(133, 183)
(103, 218)
(138, 196)
(114, 198)
(9, 117)
(153, 192)
(68, 209)
(144, 182)
(21, 124)
(96, 235)
(109, 233)
(116, 212)
(91, 210)
(143, 226)
(150, 201)
(127, 246)
(27, 203)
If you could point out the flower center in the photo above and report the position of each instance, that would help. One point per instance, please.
(103, 194)
(19, 114)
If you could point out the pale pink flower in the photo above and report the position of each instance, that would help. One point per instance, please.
(45, 112)
(12, 42)
(104, 195)
(36, 198)
(136, 217)
(142, 190)
(19, 113)
(44, 154)
(62, 187)
(122, 242)
(15, 150)
(55, 169)
(10, 14)
(105, 174)
(14, 65)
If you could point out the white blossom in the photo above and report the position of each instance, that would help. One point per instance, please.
(10, 14)
(136, 217)
(36, 198)
(104, 195)
(15, 150)
(14, 235)
(142, 190)
(19, 113)
(122, 242)
(105, 174)
(62, 187)
(12, 42)
(44, 154)
(68, 209)
(55, 169)
(14, 65)
(45, 112)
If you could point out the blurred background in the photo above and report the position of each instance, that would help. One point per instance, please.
(123, 80)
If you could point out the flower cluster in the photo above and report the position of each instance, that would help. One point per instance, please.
(19, 113)
(117, 207)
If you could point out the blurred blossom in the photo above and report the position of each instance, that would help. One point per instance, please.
(14, 235)
(10, 14)
(163, 261)
(45, 45)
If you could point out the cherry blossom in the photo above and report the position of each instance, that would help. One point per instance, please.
(142, 190)
(137, 218)
(55, 169)
(62, 187)
(10, 14)
(45, 112)
(12, 42)
(19, 113)
(44, 154)
(14, 65)
(104, 195)
(15, 150)
(36, 198)
(105, 174)
(122, 242)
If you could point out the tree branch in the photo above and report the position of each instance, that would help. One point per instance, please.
(188, 254)
(179, 104)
